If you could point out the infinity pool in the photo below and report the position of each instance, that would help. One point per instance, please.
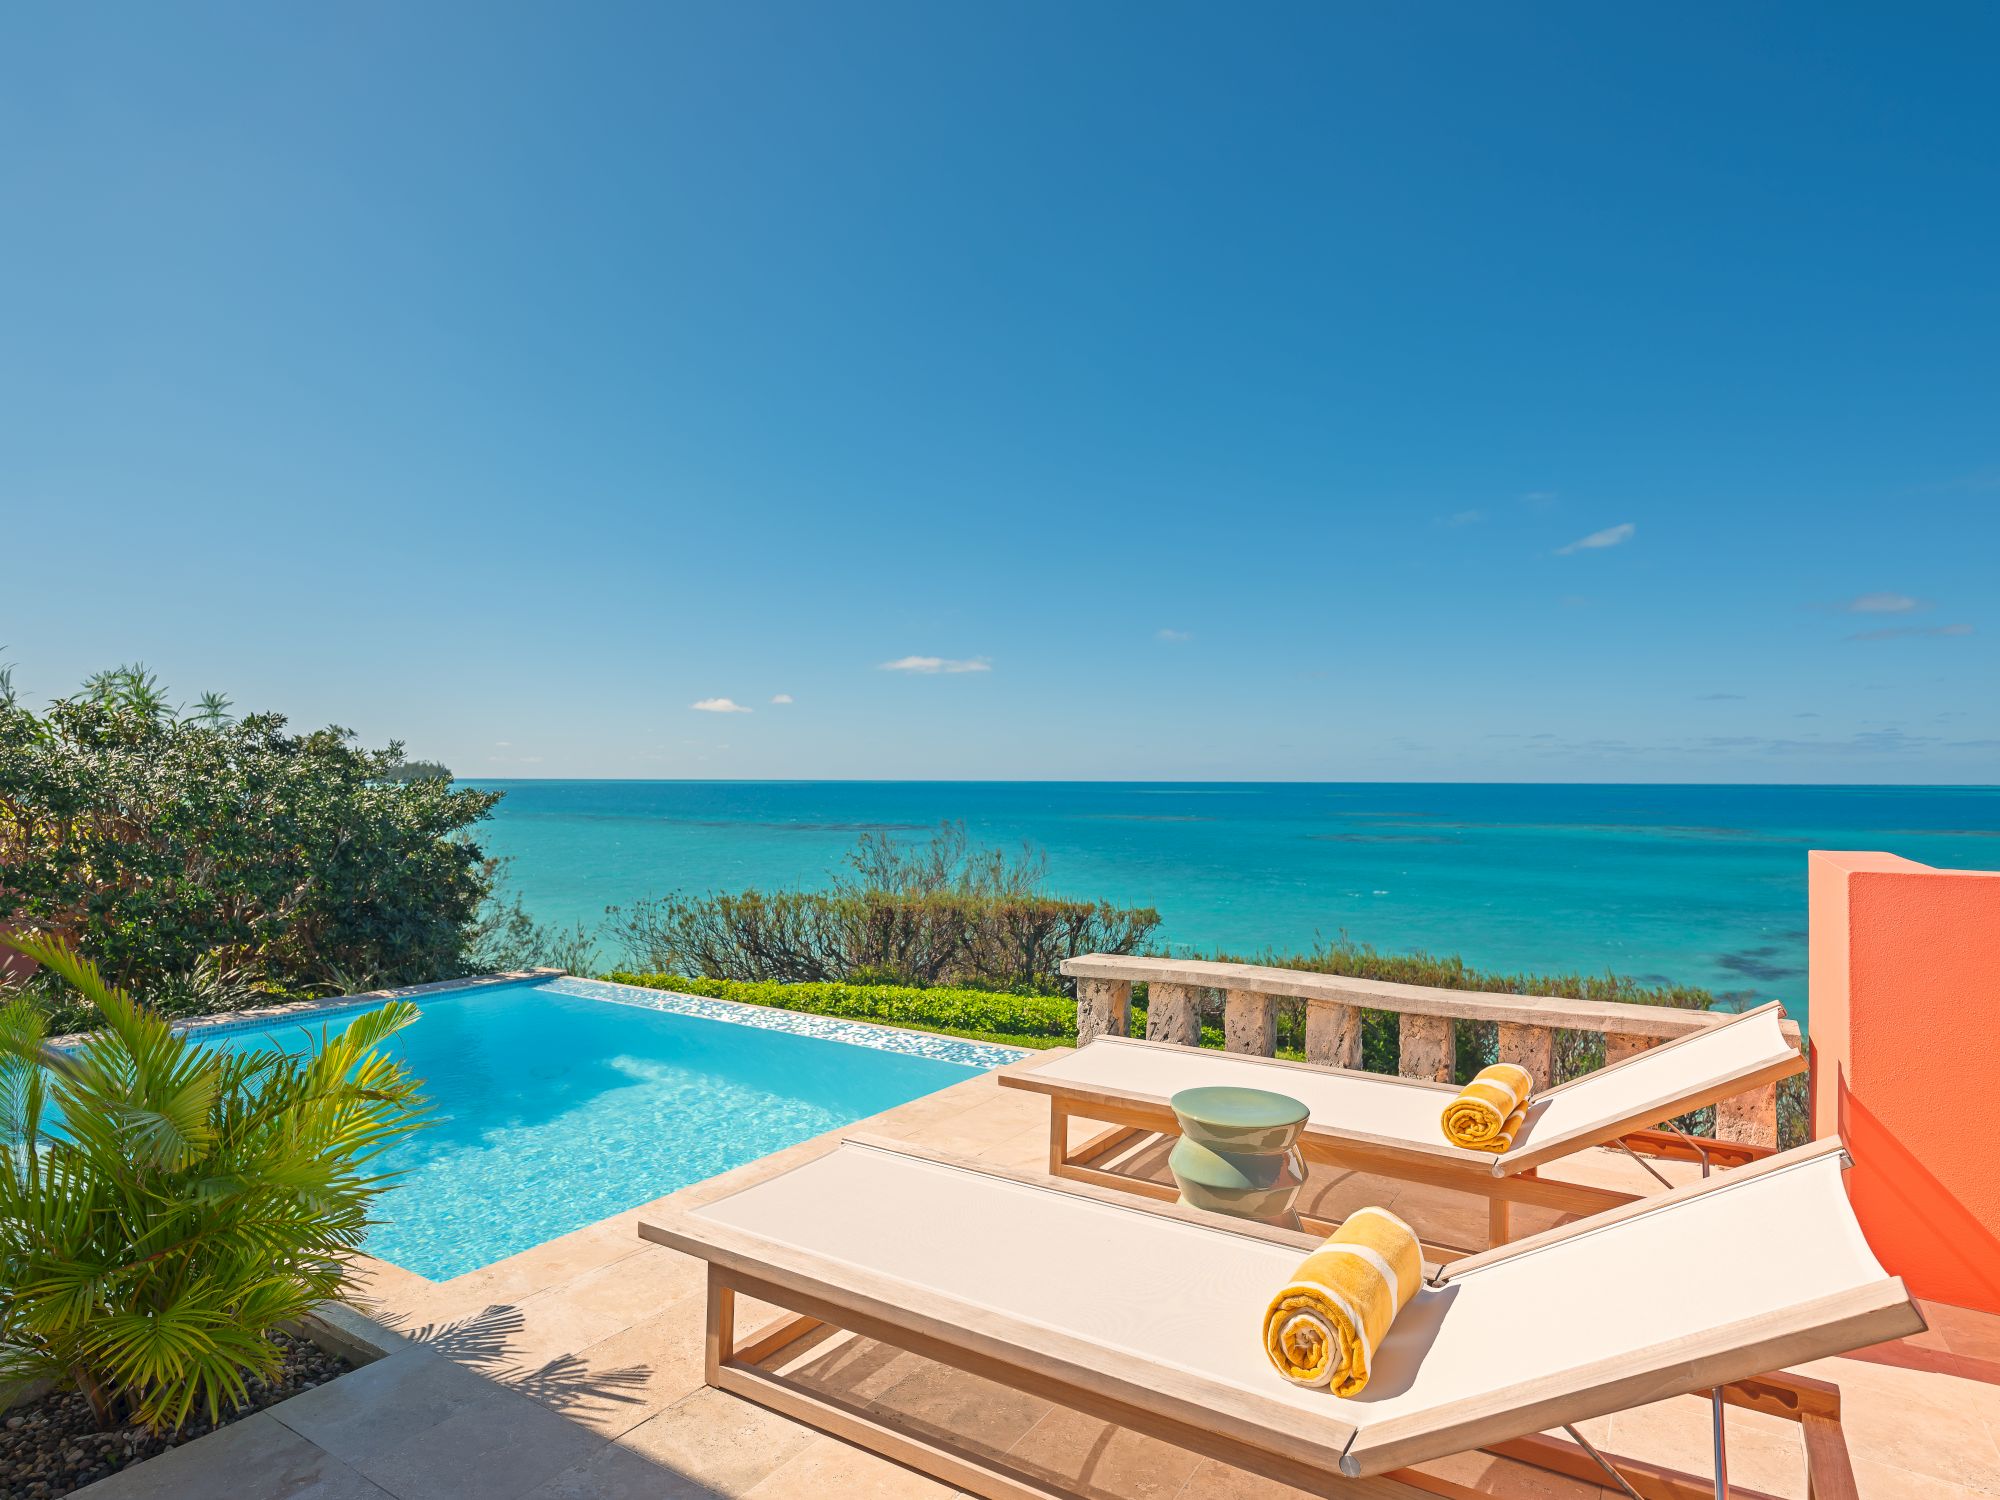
(559, 1102)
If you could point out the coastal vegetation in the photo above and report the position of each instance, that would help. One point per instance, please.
(939, 912)
(166, 1209)
(207, 859)
(982, 1015)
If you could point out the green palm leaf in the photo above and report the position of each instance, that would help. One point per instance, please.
(177, 1205)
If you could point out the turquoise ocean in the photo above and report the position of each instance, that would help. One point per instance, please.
(1699, 885)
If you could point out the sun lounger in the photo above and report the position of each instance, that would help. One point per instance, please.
(1373, 1122)
(1150, 1315)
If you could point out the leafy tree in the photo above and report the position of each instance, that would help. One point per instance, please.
(158, 841)
(190, 1203)
(418, 770)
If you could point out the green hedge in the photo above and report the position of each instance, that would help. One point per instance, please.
(1017, 1020)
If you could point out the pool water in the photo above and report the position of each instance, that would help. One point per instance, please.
(560, 1102)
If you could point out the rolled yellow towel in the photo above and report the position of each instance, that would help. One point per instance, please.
(1488, 1111)
(1324, 1327)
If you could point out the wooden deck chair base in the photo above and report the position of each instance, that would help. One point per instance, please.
(749, 1371)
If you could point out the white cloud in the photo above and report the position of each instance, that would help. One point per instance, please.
(1171, 636)
(1900, 632)
(1460, 518)
(1610, 536)
(781, 697)
(931, 665)
(1881, 604)
(719, 706)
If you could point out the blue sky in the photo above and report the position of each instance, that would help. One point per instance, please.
(1541, 392)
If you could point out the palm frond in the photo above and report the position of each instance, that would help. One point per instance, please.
(190, 1201)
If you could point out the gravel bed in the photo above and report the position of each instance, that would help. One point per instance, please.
(52, 1446)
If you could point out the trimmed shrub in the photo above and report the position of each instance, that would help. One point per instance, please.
(1045, 1020)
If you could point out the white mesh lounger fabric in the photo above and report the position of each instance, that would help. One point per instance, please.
(992, 1272)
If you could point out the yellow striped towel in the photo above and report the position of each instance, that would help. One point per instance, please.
(1488, 1111)
(1324, 1327)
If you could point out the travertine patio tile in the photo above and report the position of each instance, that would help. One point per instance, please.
(615, 1472)
(634, 1288)
(256, 1457)
(382, 1283)
(856, 1369)
(504, 1339)
(1506, 1480)
(1765, 1452)
(829, 1468)
(977, 1414)
(1878, 1481)
(493, 1450)
(1935, 1425)
(1025, 1150)
(975, 1144)
(520, 1277)
(1097, 1461)
(718, 1441)
(618, 1382)
(1975, 1335)
(372, 1409)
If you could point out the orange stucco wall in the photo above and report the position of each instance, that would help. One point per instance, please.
(1905, 1040)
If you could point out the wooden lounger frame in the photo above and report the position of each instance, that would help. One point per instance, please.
(825, 1296)
(1503, 1180)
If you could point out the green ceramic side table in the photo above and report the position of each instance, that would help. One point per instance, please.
(1238, 1153)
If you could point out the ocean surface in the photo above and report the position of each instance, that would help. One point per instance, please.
(1699, 885)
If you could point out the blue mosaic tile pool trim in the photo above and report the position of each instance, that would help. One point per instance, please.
(949, 1049)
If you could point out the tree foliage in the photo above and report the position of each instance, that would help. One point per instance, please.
(938, 912)
(165, 1207)
(157, 839)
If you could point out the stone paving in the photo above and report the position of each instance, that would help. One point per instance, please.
(574, 1372)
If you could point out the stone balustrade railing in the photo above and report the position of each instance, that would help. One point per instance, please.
(1526, 1024)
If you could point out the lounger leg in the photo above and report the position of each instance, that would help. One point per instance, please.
(1499, 1221)
(1721, 1447)
(720, 1342)
(1058, 1137)
(1829, 1469)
